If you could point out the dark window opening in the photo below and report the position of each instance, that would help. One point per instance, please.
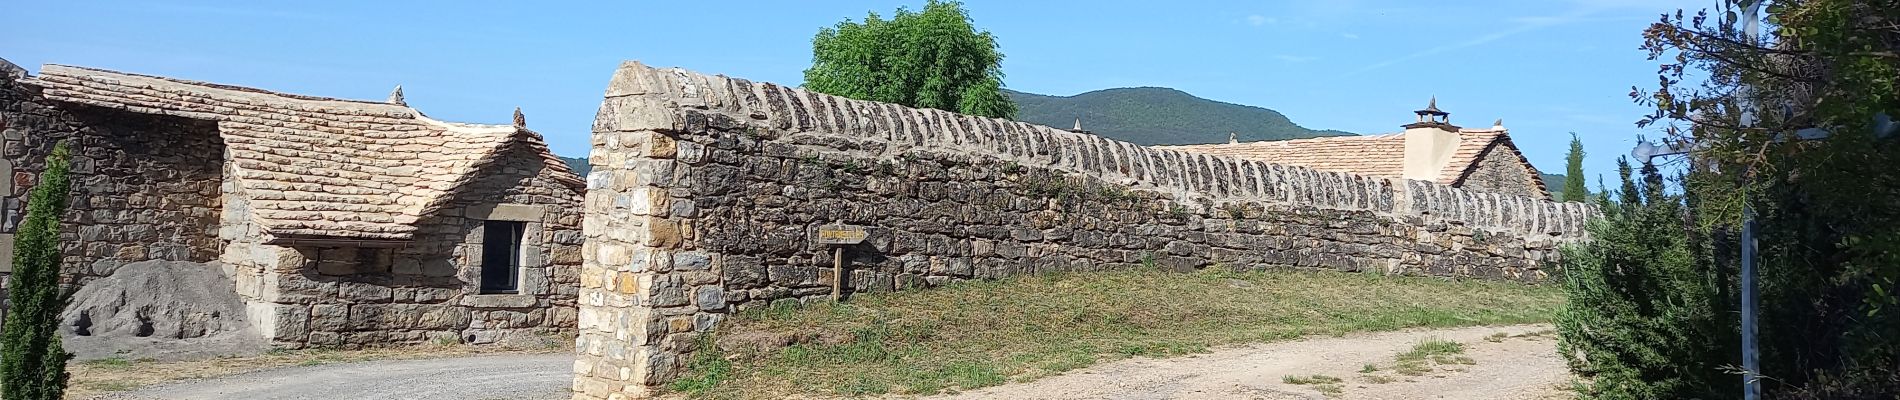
(501, 255)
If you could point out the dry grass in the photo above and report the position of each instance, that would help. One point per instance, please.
(1307, 379)
(97, 377)
(976, 334)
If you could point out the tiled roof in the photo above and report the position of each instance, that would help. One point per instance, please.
(1381, 156)
(314, 167)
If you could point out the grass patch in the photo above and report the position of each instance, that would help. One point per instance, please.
(1378, 379)
(1369, 368)
(1432, 347)
(974, 334)
(1429, 352)
(1329, 389)
(1308, 379)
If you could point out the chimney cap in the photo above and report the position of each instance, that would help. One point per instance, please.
(1432, 109)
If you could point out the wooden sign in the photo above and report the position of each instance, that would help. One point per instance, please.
(841, 234)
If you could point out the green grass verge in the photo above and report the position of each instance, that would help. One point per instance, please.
(983, 333)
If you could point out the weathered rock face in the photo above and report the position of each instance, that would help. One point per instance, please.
(706, 192)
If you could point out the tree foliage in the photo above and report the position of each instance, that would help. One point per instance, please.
(1646, 317)
(32, 360)
(1574, 189)
(932, 59)
(1829, 253)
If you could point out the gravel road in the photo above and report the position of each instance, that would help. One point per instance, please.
(1522, 367)
(1512, 368)
(512, 376)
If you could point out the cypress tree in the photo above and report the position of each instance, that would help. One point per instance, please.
(32, 361)
(1574, 189)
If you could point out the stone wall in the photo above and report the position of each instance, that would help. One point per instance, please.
(144, 187)
(157, 183)
(1501, 170)
(706, 190)
(343, 295)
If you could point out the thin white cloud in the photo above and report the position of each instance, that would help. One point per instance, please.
(1523, 24)
(1349, 35)
(1258, 20)
(1295, 59)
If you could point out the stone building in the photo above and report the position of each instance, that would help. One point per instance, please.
(341, 222)
(1430, 149)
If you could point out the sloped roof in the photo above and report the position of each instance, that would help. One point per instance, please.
(1488, 143)
(1381, 156)
(313, 167)
(1374, 155)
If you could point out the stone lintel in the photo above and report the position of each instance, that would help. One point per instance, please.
(499, 300)
(506, 212)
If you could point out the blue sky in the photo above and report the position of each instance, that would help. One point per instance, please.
(1547, 67)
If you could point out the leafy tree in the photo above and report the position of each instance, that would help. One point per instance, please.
(1574, 189)
(1829, 256)
(931, 59)
(1644, 318)
(32, 361)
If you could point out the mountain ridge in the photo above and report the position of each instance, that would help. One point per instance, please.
(1152, 115)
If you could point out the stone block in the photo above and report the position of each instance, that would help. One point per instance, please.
(499, 301)
(329, 317)
(506, 212)
(363, 292)
(710, 297)
(534, 281)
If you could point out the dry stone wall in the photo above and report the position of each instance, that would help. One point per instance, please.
(706, 191)
(144, 187)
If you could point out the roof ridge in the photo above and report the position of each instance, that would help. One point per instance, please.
(215, 85)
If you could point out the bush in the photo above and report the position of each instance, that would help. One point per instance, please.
(1645, 318)
(33, 363)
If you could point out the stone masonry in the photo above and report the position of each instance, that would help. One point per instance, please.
(706, 191)
(343, 223)
(144, 187)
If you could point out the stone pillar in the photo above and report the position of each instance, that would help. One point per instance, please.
(630, 240)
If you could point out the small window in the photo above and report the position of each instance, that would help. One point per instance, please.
(501, 256)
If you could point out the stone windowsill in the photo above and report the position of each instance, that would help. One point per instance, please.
(499, 300)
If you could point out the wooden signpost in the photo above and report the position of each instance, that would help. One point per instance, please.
(838, 235)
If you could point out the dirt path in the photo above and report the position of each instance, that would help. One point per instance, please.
(508, 376)
(1523, 367)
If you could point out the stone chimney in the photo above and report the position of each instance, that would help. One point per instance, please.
(1429, 143)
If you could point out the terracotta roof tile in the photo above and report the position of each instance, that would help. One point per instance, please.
(312, 166)
(1379, 156)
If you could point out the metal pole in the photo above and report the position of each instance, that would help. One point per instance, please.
(1751, 379)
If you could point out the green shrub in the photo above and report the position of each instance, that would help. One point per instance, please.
(33, 364)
